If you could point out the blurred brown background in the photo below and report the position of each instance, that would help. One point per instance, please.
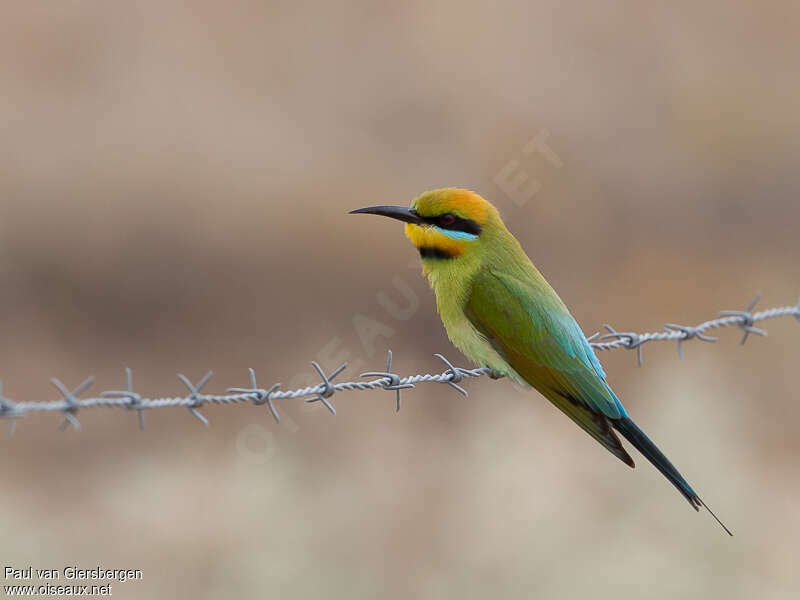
(174, 183)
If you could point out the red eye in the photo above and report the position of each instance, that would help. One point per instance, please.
(447, 220)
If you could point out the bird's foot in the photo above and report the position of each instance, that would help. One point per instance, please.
(495, 374)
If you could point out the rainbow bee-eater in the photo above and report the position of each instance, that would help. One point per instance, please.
(502, 314)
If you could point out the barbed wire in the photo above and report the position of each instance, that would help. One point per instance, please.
(70, 403)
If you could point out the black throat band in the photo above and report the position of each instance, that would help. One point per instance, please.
(434, 253)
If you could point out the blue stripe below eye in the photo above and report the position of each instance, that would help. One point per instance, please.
(457, 235)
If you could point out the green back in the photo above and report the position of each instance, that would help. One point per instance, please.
(528, 324)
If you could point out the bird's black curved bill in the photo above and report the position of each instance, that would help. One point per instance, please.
(401, 213)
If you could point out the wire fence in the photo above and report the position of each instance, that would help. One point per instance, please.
(70, 402)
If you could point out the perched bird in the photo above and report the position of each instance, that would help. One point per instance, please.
(502, 314)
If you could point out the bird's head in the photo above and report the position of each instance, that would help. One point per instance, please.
(444, 224)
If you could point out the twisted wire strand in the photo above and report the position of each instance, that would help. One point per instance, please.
(70, 402)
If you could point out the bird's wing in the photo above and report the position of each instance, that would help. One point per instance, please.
(531, 328)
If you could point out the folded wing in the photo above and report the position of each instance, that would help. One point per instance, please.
(526, 322)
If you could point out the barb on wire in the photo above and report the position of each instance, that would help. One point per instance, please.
(70, 401)
(194, 395)
(262, 396)
(687, 333)
(392, 380)
(746, 318)
(456, 375)
(134, 398)
(328, 389)
(628, 339)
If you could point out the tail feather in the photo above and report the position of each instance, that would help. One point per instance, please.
(631, 432)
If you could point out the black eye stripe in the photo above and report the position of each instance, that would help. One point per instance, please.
(458, 224)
